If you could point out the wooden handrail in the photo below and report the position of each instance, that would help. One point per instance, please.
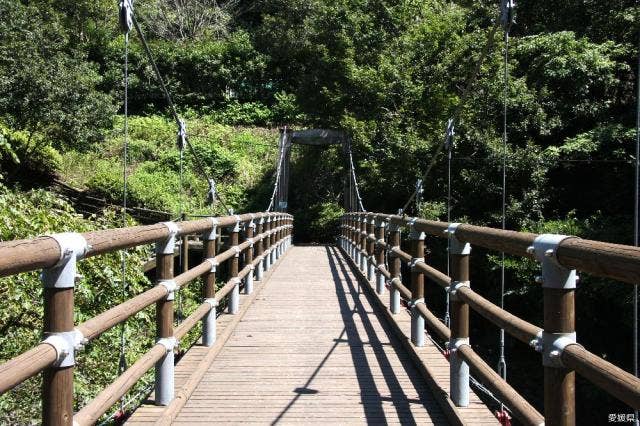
(44, 252)
(615, 261)
(17, 256)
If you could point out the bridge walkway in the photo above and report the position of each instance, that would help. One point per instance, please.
(311, 346)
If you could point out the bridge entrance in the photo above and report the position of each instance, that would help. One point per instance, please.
(321, 169)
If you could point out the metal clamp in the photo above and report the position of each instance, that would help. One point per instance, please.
(413, 303)
(453, 288)
(212, 302)
(455, 344)
(235, 280)
(169, 343)
(211, 234)
(214, 263)
(414, 262)
(554, 275)
(456, 246)
(64, 274)
(251, 242)
(168, 245)
(171, 287)
(237, 250)
(65, 343)
(536, 343)
(238, 221)
(553, 344)
(125, 15)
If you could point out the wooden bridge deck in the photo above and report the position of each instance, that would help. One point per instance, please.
(311, 347)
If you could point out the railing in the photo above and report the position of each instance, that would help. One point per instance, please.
(366, 237)
(57, 255)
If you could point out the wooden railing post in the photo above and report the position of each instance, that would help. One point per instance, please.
(343, 233)
(234, 296)
(417, 286)
(267, 243)
(371, 245)
(558, 291)
(379, 251)
(272, 241)
(164, 379)
(59, 282)
(347, 236)
(279, 239)
(362, 221)
(274, 227)
(209, 291)
(259, 250)
(394, 267)
(184, 247)
(248, 281)
(355, 239)
(458, 368)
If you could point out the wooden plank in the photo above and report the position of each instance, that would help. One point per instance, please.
(313, 348)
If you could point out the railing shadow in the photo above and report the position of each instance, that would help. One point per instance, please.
(401, 402)
(371, 399)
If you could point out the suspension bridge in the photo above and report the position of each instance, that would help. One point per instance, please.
(340, 333)
(310, 334)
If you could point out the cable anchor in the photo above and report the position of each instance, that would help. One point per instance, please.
(507, 14)
(125, 15)
(182, 135)
(450, 131)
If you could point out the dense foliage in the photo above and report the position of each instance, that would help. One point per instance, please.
(389, 72)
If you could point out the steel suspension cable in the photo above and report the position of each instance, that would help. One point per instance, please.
(355, 182)
(470, 82)
(502, 364)
(172, 108)
(636, 213)
(278, 169)
(449, 146)
(125, 21)
(507, 20)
